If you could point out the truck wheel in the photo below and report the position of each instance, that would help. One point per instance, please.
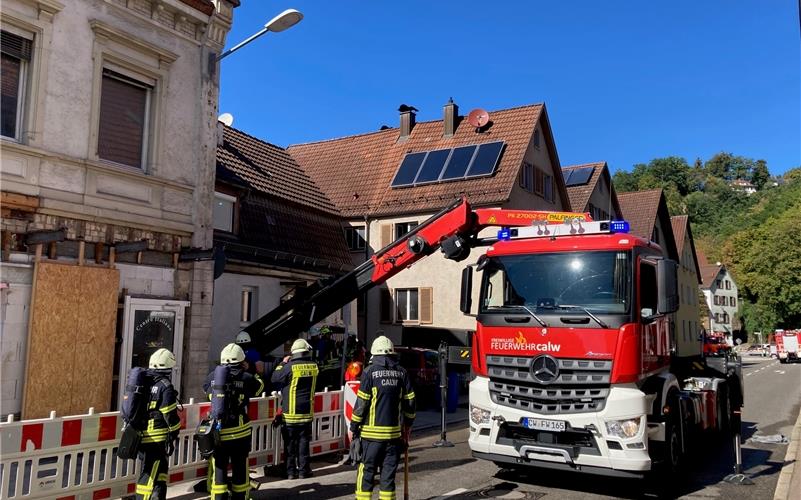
(672, 458)
(724, 411)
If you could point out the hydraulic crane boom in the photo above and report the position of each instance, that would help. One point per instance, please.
(454, 230)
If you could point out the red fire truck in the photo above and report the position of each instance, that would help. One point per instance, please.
(787, 345)
(573, 350)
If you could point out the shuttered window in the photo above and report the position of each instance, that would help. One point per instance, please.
(426, 305)
(124, 114)
(16, 53)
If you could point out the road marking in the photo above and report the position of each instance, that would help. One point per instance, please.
(451, 493)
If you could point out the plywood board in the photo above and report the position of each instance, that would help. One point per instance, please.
(71, 340)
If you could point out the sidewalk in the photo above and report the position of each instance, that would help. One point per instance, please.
(790, 477)
(427, 420)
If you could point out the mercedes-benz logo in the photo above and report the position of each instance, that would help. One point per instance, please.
(545, 369)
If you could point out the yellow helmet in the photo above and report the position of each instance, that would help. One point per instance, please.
(162, 359)
(382, 345)
(300, 345)
(232, 354)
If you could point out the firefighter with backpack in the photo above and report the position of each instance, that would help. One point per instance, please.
(230, 388)
(150, 406)
(382, 420)
(297, 378)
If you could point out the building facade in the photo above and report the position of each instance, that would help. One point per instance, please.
(689, 328)
(591, 190)
(387, 182)
(721, 293)
(108, 145)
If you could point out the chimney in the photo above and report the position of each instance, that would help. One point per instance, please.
(406, 123)
(450, 115)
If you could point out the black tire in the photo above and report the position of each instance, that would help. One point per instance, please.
(724, 411)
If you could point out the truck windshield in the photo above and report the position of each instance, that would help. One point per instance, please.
(599, 282)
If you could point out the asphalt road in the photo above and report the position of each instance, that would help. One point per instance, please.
(773, 400)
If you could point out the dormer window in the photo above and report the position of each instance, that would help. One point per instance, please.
(224, 210)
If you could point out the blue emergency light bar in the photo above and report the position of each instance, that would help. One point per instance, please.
(504, 234)
(619, 226)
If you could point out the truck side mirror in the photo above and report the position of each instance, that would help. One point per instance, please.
(466, 298)
(667, 284)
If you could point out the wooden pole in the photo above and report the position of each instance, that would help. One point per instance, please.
(112, 256)
(98, 253)
(51, 252)
(38, 255)
(81, 252)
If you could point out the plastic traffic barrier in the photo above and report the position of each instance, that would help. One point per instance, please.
(74, 457)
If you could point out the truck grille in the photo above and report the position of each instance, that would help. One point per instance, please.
(581, 386)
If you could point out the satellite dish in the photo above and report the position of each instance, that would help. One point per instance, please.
(226, 118)
(478, 118)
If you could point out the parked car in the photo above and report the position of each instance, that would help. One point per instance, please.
(423, 367)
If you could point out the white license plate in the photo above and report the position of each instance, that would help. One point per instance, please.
(539, 424)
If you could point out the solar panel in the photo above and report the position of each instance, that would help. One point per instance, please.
(460, 160)
(432, 166)
(579, 176)
(486, 159)
(408, 169)
(567, 174)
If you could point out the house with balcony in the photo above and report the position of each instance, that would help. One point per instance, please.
(385, 183)
(107, 164)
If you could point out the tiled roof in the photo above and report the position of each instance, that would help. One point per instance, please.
(269, 169)
(580, 195)
(708, 274)
(679, 223)
(641, 209)
(356, 171)
(284, 219)
(681, 232)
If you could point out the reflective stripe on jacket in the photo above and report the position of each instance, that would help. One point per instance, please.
(384, 402)
(297, 379)
(162, 411)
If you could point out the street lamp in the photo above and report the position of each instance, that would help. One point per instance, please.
(281, 22)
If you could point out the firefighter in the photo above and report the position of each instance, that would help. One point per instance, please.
(163, 425)
(382, 418)
(235, 430)
(297, 378)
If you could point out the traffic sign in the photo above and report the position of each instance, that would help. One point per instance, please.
(459, 355)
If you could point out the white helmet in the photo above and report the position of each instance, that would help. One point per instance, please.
(243, 337)
(232, 354)
(381, 346)
(162, 359)
(300, 345)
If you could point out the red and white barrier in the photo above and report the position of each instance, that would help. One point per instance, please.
(351, 389)
(74, 458)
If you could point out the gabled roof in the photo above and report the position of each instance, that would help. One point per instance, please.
(284, 218)
(580, 195)
(356, 171)
(268, 168)
(642, 209)
(708, 274)
(681, 233)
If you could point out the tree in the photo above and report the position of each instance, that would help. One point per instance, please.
(760, 174)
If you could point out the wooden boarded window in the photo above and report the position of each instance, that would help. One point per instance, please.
(426, 305)
(124, 116)
(386, 315)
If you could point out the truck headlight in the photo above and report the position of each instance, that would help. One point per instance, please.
(479, 415)
(623, 428)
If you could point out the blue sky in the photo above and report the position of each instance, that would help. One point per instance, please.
(624, 81)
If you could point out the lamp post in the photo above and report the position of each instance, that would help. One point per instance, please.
(281, 22)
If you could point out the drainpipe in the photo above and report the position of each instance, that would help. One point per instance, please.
(366, 258)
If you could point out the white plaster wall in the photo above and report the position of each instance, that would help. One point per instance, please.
(14, 310)
(147, 280)
(688, 322)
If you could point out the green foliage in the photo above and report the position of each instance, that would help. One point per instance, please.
(756, 236)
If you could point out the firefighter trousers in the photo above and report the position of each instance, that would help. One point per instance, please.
(152, 482)
(296, 447)
(378, 454)
(234, 452)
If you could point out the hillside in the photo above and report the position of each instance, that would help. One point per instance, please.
(756, 235)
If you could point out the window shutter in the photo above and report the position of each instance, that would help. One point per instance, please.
(386, 234)
(426, 305)
(385, 314)
(16, 46)
(123, 114)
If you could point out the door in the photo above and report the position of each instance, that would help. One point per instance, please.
(149, 325)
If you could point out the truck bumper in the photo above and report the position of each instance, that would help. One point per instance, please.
(609, 454)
